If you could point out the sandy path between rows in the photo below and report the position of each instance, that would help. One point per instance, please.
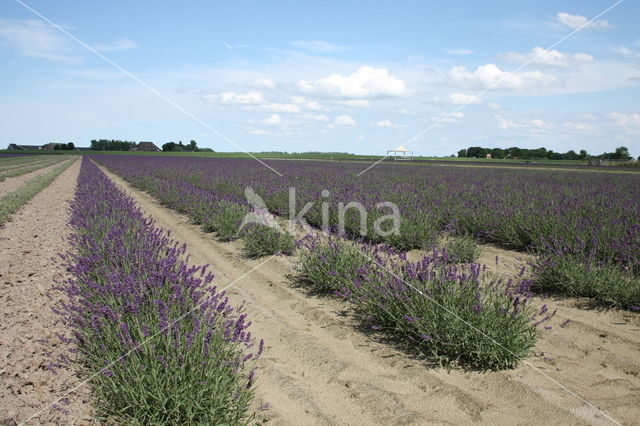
(13, 183)
(319, 369)
(34, 236)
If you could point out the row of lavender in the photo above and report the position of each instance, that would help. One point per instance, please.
(157, 342)
(581, 223)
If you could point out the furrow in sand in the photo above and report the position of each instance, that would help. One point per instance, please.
(319, 369)
(28, 245)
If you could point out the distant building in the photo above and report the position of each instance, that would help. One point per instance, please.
(489, 157)
(16, 147)
(146, 146)
(50, 146)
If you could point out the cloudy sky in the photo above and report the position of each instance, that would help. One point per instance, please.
(356, 76)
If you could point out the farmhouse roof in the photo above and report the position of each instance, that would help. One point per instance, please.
(15, 146)
(400, 149)
(146, 146)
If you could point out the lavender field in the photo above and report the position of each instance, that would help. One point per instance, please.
(583, 224)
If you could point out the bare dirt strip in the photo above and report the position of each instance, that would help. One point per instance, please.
(13, 183)
(28, 243)
(320, 369)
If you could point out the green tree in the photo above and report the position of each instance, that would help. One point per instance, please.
(621, 153)
(169, 146)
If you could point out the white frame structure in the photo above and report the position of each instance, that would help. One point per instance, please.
(393, 153)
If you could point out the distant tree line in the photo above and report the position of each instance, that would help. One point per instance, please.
(111, 145)
(621, 153)
(180, 147)
(64, 147)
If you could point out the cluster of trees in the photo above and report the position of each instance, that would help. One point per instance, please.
(621, 153)
(64, 147)
(178, 147)
(111, 145)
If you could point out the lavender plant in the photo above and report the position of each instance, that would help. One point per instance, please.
(167, 346)
(451, 314)
(327, 266)
(564, 272)
(261, 240)
(461, 249)
(225, 220)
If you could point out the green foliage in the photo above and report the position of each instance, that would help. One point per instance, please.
(111, 145)
(261, 240)
(572, 276)
(461, 249)
(326, 267)
(225, 220)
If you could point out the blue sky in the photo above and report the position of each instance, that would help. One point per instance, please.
(324, 76)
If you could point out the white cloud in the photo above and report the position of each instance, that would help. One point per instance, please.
(354, 103)
(551, 58)
(367, 82)
(315, 117)
(576, 21)
(490, 75)
(117, 45)
(345, 120)
(314, 106)
(36, 39)
(464, 99)
(361, 137)
(275, 119)
(494, 106)
(505, 123)
(628, 53)
(317, 46)
(629, 122)
(278, 107)
(259, 132)
(310, 105)
(458, 51)
(578, 126)
(232, 98)
(262, 83)
(388, 123)
(447, 118)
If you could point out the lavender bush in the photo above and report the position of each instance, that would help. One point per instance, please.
(183, 354)
(565, 272)
(225, 220)
(261, 240)
(451, 314)
(461, 249)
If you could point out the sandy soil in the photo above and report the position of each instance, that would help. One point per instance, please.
(13, 183)
(34, 236)
(320, 369)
